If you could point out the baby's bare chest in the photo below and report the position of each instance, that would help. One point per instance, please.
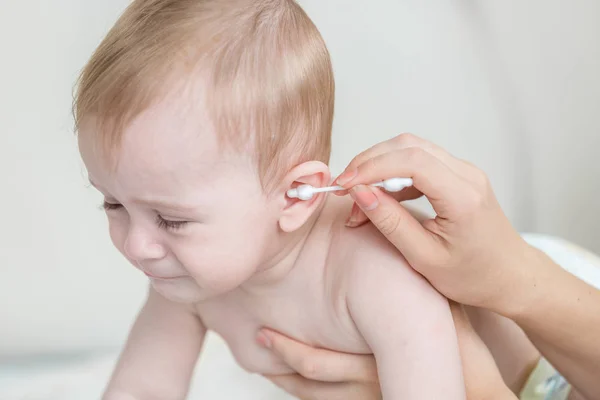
(316, 321)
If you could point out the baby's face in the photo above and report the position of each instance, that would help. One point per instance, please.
(193, 219)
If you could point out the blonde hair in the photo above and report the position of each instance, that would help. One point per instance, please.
(267, 69)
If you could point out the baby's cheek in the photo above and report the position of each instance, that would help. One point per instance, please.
(218, 269)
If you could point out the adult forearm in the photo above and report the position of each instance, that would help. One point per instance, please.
(561, 315)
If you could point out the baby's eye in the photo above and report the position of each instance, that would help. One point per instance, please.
(111, 206)
(169, 224)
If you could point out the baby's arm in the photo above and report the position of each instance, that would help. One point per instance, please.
(409, 328)
(160, 354)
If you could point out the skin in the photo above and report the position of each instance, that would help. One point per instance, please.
(222, 255)
(471, 254)
(352, 377)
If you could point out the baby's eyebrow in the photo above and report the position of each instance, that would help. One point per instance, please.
(98, 187)
(94, 184)
(165, 205)
(158, 203)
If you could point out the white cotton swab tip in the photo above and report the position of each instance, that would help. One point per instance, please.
(306, 192)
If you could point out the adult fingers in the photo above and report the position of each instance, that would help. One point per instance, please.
(401, 141)
(320, 364)
(404, 141)
(305, 389)
(358, 217)
(408, 193)
(430, 176)
(401, 228)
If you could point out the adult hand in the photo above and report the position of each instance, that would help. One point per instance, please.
(471, 253)
(322, 374)
(466, 249)
(327, 375)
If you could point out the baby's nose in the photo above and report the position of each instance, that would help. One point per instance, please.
(140, 246)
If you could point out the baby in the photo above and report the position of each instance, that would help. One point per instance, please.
(194, 118)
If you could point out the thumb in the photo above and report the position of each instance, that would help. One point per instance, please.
(400, 227)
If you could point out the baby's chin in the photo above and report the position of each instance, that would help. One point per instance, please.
(180, 290)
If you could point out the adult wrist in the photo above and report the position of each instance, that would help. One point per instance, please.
(522, 282)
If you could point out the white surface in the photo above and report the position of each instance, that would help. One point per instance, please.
(510, 85)
(578, 261)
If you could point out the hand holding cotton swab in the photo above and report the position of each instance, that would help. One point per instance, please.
(306, 192)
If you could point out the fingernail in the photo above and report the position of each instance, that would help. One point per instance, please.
(364, 197)
(346, 177)
(263, 340)
(352, 224)
(351, 221)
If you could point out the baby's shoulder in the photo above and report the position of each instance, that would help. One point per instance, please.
(367, 247)
(362, 256)
(370, 260)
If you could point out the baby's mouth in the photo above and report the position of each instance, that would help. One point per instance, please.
(149, 275)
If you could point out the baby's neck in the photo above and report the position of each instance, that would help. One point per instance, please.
(310, 245)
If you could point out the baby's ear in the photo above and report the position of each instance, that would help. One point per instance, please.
(296, 212)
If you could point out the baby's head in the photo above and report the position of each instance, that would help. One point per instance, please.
(194, 118)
